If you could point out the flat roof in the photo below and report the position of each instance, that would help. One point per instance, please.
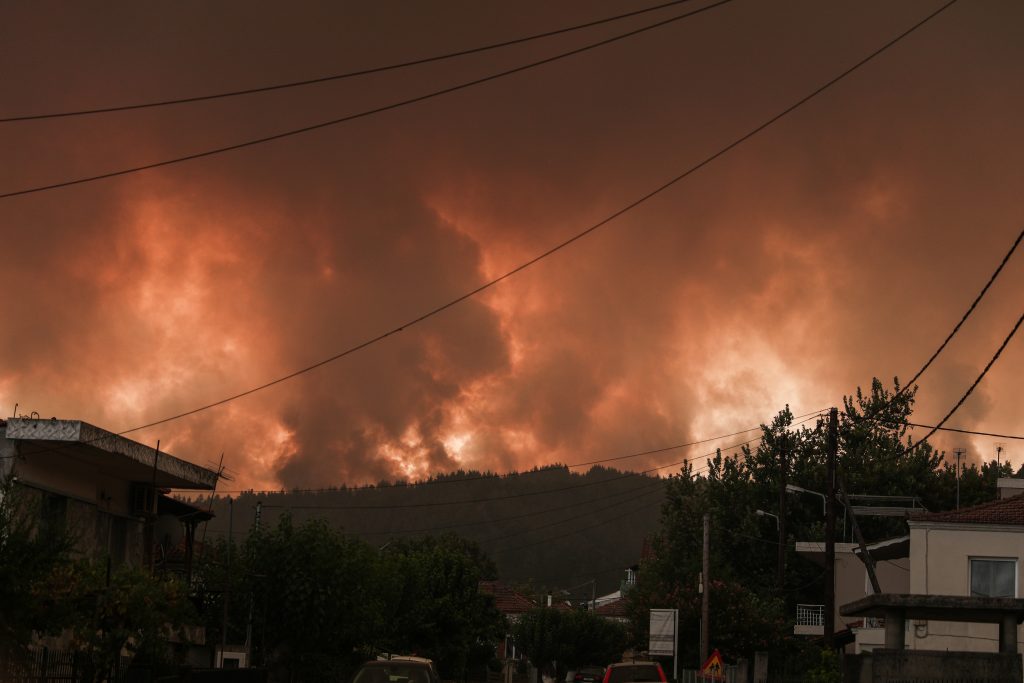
(108, 452)
(936, 607)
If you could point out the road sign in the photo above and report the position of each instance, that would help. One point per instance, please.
(714, 668)
(663, 632)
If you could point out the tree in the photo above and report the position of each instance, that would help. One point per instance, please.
(111, 610)
(32, 558)
(435, 606)
(570, 638)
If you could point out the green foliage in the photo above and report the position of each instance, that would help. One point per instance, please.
(873, 458)
(124, 608)
(31, 558)
(322, 602)
(570, 638)
(826, 669)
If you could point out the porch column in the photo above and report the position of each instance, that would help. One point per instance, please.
(895, 634)
(1008, 634)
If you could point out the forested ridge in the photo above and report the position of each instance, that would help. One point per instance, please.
(551, 527)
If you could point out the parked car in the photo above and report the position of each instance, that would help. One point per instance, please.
(634, 672)
(588, 674)
(397, 670)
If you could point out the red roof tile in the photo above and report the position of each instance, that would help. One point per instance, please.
(1006, 511)
(506, 600)
(615, 608)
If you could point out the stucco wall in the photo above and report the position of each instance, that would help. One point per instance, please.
(940, 565)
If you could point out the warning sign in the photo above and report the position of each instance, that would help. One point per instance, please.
(714, 668)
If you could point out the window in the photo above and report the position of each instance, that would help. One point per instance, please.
(993, 578)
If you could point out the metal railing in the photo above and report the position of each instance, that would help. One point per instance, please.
(810, 615)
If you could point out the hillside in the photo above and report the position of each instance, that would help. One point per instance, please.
(548, 527)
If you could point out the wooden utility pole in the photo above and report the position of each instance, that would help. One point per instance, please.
(783, 467)
(832, 448)
(706, 582)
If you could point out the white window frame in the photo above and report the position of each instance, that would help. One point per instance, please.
(1016, 570)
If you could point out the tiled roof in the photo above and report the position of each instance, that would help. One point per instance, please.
(615, 608)
(505, 599)
(1006, 511)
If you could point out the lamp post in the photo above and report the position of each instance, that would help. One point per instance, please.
(762, 513)
(793, 488)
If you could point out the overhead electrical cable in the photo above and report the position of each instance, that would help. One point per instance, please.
(342, 76)
(963, 398)
(524, 494)
(967, 314)
(365, 113)
(561, 245)
(548, 468)
(965, 431)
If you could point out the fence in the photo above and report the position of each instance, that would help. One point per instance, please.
(810, 615)
(732, 675)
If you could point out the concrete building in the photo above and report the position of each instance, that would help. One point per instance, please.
(109, 490)
(975, 551)
(851, 580)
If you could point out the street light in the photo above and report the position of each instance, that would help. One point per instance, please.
(762, 513)
(793, 488)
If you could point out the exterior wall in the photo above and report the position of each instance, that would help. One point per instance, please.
(852, 581)
(940, 565)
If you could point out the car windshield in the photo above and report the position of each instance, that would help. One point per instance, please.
(393, 673)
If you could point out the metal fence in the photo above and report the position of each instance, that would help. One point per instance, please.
(732, 675)
(810, 615)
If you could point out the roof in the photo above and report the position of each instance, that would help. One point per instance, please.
(1007, 511)
(936, 607)
(120, 457)
(616, 608)
(506, 600)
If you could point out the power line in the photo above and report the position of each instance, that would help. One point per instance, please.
(641, 508)
(963, 398)
(565, 243)
(363, 114)
(965, 431)
(653, 451)
(511, 496)
(341, 76)
(967, 314)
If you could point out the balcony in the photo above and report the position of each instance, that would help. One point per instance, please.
(810, 620)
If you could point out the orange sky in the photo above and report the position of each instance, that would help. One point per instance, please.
(841, 244)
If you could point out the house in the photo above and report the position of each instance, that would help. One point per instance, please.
(969, 552)
(974, 552)
(513, 605)
(851, 581)
(109, 489)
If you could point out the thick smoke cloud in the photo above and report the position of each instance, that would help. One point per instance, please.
(843, 243)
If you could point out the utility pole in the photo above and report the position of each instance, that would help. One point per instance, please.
(227, 582)
(252, 595)
(706, 581)
(832, 448)
(783, 466)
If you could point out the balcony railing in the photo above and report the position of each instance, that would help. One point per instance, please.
(810, 615)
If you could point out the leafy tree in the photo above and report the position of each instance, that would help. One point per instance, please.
(435, 606)
(31, 560)
(111, 610)
(571, 638)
